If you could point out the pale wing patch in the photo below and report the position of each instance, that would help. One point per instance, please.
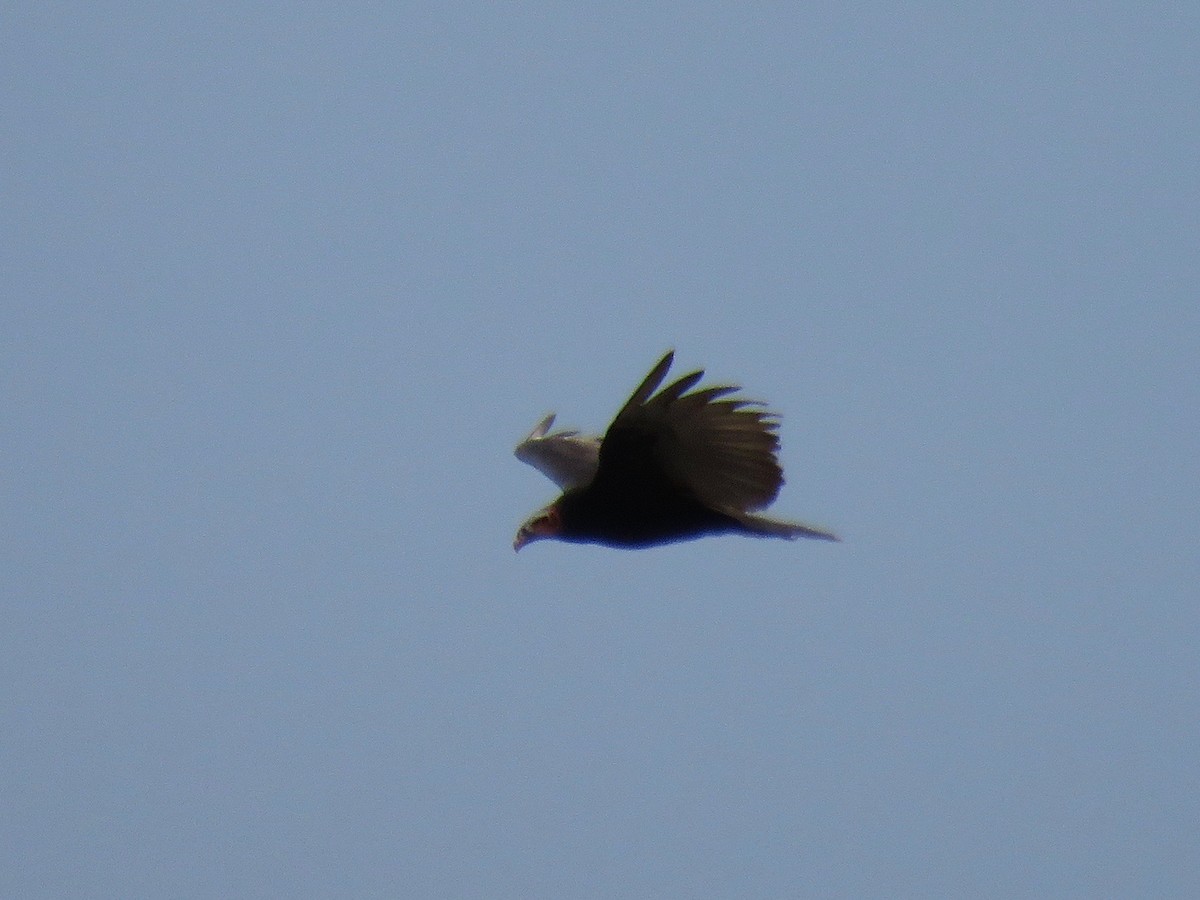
(567, 458)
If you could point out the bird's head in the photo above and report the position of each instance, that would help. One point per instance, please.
(545, 523)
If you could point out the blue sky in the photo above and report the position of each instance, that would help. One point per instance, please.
(282, 286)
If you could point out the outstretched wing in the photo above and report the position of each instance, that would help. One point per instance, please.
(718, 451)
(567, 458)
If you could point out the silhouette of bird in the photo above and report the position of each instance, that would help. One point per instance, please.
(672, 466)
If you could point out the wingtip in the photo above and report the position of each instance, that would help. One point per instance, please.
(539, 431)
(651, 382)
(664, 365)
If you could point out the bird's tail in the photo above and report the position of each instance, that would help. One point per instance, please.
(764, 527)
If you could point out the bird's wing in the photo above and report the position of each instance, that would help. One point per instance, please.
(719, 451)
(567, 458)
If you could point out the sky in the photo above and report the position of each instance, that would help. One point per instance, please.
(282, 285)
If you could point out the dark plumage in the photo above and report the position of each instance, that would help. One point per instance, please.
(674, 466)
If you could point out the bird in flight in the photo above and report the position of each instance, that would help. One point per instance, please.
(673, 466)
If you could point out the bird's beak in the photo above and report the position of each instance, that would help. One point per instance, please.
(524, 536)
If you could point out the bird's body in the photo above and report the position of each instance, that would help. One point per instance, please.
(672, 466)
(639, 520)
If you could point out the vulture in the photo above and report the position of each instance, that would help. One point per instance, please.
(674, 465)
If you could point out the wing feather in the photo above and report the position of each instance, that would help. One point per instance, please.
(704, 444)
(567, 458)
